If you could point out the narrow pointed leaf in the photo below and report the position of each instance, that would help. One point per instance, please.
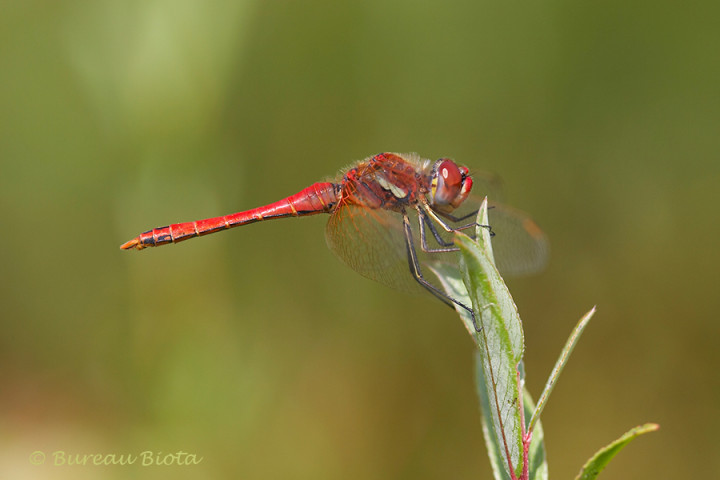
(500, 343)
(559, 365)
(493, 443)
(600, 460)
(500, 348)
(538, 469)
(451, 280)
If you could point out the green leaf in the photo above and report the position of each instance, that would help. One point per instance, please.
(499, 373)
(598, 462)
(559, 365)
(537, 465)
(494, 445)
(501, 346)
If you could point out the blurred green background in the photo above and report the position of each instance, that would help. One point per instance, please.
(259, 351)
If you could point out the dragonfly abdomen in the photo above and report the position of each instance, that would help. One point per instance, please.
(320, 197)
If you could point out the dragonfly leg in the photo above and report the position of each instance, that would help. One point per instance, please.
(436, 216)
(455, 219)
(417, 274)
(447, 246)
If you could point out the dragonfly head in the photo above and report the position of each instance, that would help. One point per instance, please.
(451, 185)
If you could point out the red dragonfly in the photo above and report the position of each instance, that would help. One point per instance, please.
(370, 226)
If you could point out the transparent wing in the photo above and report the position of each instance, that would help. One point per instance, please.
(520, 246)
(372, 242)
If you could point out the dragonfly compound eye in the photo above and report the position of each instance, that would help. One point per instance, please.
(450, 185)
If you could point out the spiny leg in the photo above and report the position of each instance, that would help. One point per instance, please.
(425, 221)
(435, 215)
(417, 274)
(455, 219)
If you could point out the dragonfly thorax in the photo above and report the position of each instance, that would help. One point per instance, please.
(385, 181)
